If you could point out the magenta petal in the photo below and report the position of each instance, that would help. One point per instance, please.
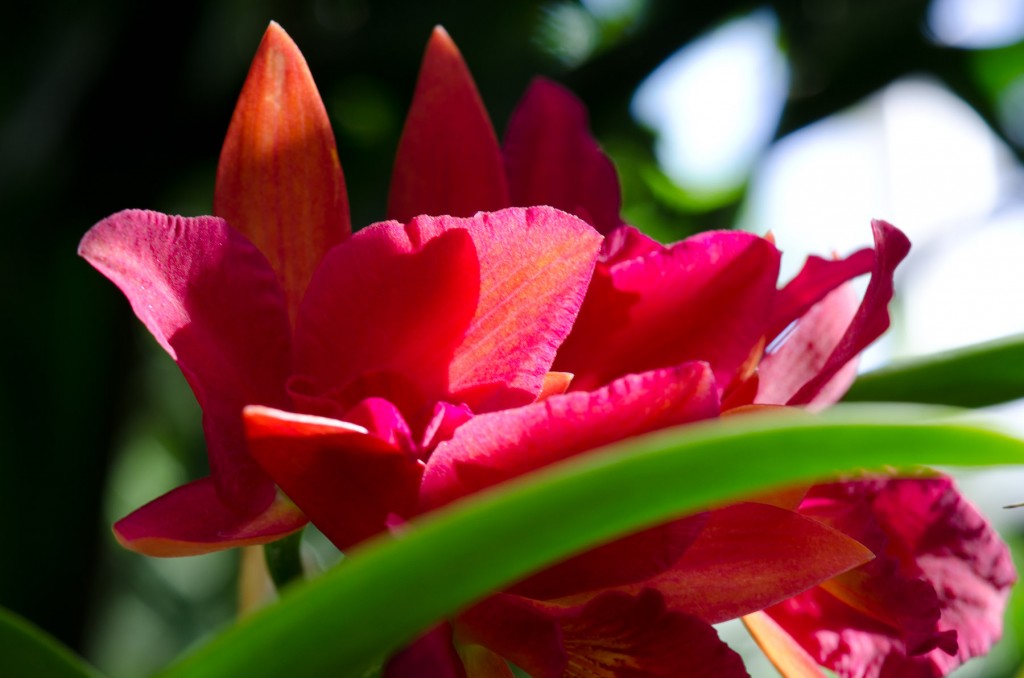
(959, 554)
(613, 635)
(382, 419)
(432, 654)
(933, 598)
(627, 242)
(192, 519)
(465, 310)
(446, 419)
(211, 299)
(492, 448)
(881, 591)
(551, 158)
(872, 318)
(706, 298)
(388, 307)
(349, 482)
(535, 265)
(816, 279)
(805, 351)
(848, 643)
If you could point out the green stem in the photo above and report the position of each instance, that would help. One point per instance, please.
(283, 559)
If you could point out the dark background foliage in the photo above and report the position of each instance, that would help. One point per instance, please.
(116, 104)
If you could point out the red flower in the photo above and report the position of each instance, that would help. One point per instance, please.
(396, 370)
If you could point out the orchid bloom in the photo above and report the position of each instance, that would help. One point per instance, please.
(221, 299)
(375, 376)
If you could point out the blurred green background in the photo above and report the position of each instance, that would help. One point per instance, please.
(804, 117)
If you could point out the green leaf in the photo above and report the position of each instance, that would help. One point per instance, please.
(977, 376)
(26, 650)
(389, 590)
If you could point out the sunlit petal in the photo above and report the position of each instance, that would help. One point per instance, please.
(464, 309)
(493, 448)
(872, 318)
(706, 298)
(204, 292)
(806, 350)
(347, 480)
(279, 180)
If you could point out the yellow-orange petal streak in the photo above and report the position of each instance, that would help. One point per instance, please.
(279, 180)
(555, 383)
(791, 660)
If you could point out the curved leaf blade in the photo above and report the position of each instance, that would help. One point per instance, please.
(26, 650)
(976, 376)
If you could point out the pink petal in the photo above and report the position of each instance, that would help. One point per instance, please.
(212, 301)
(447, 418)
(881, 590)
(462, 310)
(493, 448)
(765, 553)
(614, 635)
(383, 420)
(432, 654)
(933, 598)
(551, 159)
(805, 351)
(535, 265)
(627, 242)
(972, 579)
(192, 519)
(815, 280)
(849, 643)
(279, 180)
(448, 159)
(705, 298)
(872, 318)
(346, 480)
